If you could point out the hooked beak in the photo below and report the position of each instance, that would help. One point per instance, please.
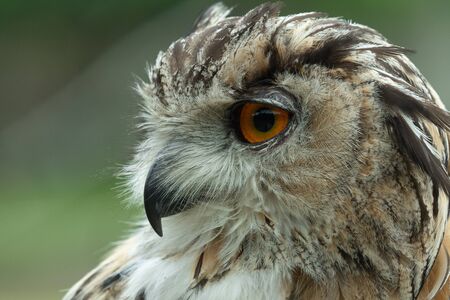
(160, 201)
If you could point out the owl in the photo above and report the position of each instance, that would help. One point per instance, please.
(284, 157)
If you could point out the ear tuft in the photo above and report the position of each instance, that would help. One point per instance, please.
(408, 111)
(212, 15)
(414, 105)
(413, 143)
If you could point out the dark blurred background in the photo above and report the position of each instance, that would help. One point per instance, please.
(67, 116)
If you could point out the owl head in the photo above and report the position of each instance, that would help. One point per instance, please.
(314, 133)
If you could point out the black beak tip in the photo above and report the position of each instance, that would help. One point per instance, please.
(154, 219)
(157, 227)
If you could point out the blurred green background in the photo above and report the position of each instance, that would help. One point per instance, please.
(67, 116)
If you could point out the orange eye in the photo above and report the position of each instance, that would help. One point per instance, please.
(260, 122)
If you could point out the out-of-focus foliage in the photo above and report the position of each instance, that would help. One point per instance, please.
(67, 115)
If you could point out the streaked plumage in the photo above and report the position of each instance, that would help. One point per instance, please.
(350, 202)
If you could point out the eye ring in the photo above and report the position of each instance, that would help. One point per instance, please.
(258, 122)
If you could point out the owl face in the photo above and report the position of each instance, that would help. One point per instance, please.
(271, 139)
(312, 124)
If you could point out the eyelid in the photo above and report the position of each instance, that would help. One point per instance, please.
(275, 96)
(267, 101)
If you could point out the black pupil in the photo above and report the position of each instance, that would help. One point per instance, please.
(264, 119)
